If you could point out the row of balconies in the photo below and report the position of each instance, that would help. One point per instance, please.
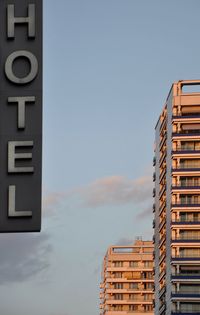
(193, 148)
(131, 311)
(184, 116)
(131, 269)
(185, 204)
(136, 291)
(129, 301)
(182, 221)
(179, 150)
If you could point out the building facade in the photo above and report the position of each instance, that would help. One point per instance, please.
(127, 280)
(177, 202)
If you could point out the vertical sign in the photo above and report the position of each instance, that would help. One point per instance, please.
(20, 115)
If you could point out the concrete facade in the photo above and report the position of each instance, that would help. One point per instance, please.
(127, 280)
(177, 203)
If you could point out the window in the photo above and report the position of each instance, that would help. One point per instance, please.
(189, 252)
(118, 263)
(190, 307)
(132, 296)
(189, 199)
(133, 307)
(148, 286)
(118, 308)
(118, 285)
(148, 263)
(190, 234)
(148, 297)
(133, 263)
(118, 296)
(187, 288)
(148, 308)
(117, 274)
(133, 286)
(147, 275)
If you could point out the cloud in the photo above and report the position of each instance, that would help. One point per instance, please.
(145, 213)
(107, 191)
(23, 256)
(117, 190)
(51, 202)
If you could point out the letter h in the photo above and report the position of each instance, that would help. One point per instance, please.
(12, 20)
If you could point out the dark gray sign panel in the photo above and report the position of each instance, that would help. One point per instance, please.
(20, 115)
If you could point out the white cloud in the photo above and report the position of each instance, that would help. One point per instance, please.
(112, 190)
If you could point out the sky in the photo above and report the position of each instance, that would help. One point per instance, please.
(108, 67)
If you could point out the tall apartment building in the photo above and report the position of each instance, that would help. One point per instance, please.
(127, 280)
(177, 203)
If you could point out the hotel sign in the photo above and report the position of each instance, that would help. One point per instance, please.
(20, 115)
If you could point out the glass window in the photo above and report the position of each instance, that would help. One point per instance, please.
(118, 296)
(148, 263)
(117, 274)
(133, 263)
(118, 285)
(133, 285)
(118, 263)
(133, 307)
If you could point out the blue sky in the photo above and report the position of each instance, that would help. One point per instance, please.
(108, 67)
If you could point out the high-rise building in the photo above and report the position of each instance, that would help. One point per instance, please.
(127, 280)
(177, 202)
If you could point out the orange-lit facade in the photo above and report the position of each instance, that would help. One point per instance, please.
(127, 280)
(177, 203)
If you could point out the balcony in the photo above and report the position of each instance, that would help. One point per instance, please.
(187, 203)
(162, 223)
(186, 312)
(162, 174)
(185, 294)
(188, 275)
(186, 168)
(186, 187)
(183, 221)
(186, 257)
(196, 115)
(186, 133)
(162, 158)
(121, 312)
(186, 150)
(162, 291)
(187, 239)
(162, 190)
(162, 207)
(162, 307)
(162, 239)
(129, 301)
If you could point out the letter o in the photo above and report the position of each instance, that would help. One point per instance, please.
(33, 67)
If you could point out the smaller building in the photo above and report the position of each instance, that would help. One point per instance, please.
(127, 280)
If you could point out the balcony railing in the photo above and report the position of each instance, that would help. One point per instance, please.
(186, 166)
(186, 116)
(186, 132)
(186, 292)
(186, 203)
(185, 312)
(188, 274)
(189, 148)
(186, 186)
(186, 238)
(189, 256)
(186, 221)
